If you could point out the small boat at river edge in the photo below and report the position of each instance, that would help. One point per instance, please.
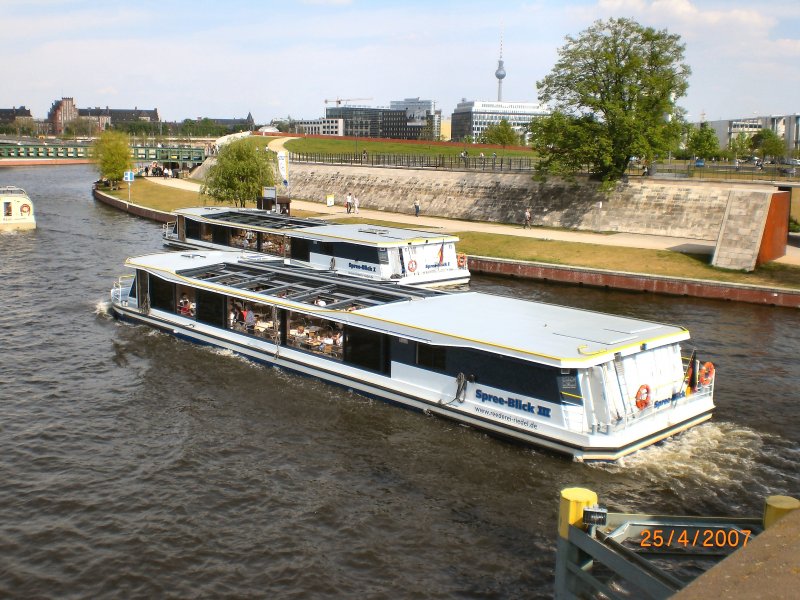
(17, 209)
(589, 385)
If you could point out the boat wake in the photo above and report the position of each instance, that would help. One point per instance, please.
(711, 456)
(103, 307)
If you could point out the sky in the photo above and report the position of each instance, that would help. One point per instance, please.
(225, 59)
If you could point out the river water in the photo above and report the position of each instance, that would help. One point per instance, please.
(136, 465)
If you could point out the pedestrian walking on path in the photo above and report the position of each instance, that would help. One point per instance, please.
(527, 224)
(416, 208)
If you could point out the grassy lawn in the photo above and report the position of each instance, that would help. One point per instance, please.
(335, 146)
(167, 199)
(377, 223)
(614, 258)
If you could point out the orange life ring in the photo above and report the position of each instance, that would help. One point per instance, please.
(462, 260)
(412, 265)
(643, 397)
(25, 209)
(706, 374)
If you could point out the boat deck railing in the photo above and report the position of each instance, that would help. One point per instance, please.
(121, 289)
(634, 415)
(169, 230)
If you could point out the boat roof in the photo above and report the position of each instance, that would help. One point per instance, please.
(549, 334)
(315, 229)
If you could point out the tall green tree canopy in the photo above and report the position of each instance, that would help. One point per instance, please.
(501, 134)
(768, 143)
(703, 142)
(112, 155)
(617, 82)
(241, 171)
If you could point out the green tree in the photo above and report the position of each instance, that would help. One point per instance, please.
(565, 144)
(767, 143)
(240, 172)
(703, 142)
(740, 145)
(112, 155)
(617, 80)
(501, 134)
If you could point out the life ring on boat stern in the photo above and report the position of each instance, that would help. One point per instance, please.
(462, 260)
(706, 373)
(643, 397)
(25, 209)
(412, 265)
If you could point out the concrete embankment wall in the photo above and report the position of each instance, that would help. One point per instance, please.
(636, 282)
(682, 209)
(134, 209)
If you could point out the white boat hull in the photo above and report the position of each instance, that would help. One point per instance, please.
(407, 390)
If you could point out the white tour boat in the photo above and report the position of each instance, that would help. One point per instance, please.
(591, 385)
(405, 256)
(17, 209)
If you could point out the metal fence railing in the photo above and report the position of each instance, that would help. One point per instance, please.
(515, 164)
(419, 161)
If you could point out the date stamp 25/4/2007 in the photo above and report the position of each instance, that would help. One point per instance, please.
(694, 537)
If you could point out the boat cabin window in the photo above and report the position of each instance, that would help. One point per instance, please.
(272, 244)
(186, 307)
(192, 229)
(210, 308)
(325, 248)
(300, 250)
(431, 357)
(502, 372)
(366, 349)
(314, 334)
(162, 294)
(132, 291)
(253, 318)
(7, 209)
(242, 238)
(356, 252)
(220, 235)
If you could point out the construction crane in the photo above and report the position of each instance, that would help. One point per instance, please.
(339, 101)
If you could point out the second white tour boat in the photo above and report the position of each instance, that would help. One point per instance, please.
(404, 256)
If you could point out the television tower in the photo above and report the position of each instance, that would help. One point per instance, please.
(500, 73)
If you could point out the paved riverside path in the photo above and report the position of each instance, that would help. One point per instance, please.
(622, 240)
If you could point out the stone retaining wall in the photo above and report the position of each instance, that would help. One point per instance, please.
(642, 205)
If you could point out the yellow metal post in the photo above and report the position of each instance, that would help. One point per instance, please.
(570, 511)
(776, 507)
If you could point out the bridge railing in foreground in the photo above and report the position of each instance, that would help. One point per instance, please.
(623, 556)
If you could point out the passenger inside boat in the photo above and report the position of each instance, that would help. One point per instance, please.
(315, 335)
(186, 307)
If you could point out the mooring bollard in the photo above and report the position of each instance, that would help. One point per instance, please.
(776, 507)
(570, 511)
